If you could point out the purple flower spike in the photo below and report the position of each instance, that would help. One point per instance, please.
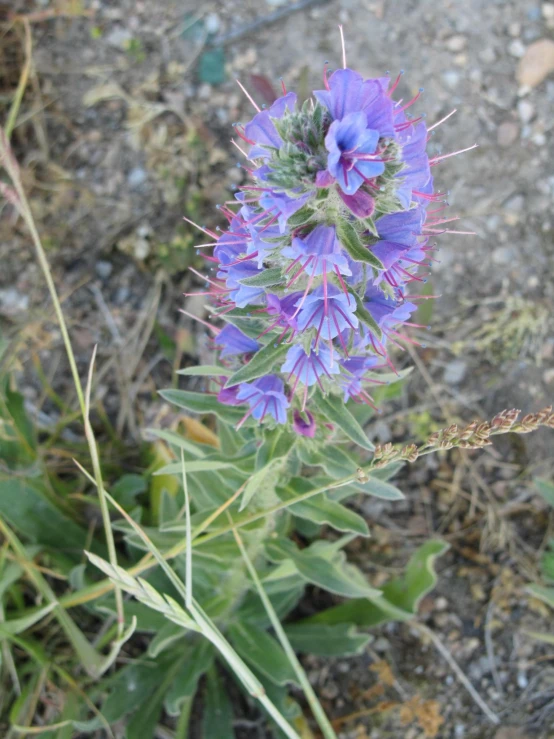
(319, 252)
(235, 342)
(304, 424)
(308, 369)
(329, 314)
(265, 397)
(351, 146)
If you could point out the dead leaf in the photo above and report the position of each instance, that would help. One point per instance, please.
(100, 93)
(426, 713)
(537, 63)
(383, 671)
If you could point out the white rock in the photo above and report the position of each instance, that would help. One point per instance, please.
(526, 111)
(548, 11)
(456, 43)
(451, 78)
(516, 48)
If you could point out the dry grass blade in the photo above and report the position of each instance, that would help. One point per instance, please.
(144, 592)
(23, 79)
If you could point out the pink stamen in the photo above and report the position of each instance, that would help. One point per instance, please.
(247, 95)
(204, 323)
(435, 160)
(211, 234)
(343, 47)
(442, 120)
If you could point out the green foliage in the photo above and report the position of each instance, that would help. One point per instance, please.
(270, 484)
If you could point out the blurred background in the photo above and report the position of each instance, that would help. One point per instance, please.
(124, 127)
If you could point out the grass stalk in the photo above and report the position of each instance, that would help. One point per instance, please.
(24, 209)
(317, 709)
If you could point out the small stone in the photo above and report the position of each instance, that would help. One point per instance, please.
(455, 372)
(525, 110)
(536, 64)
(548, 376)
(539, 139)
(330, 690)
(507, 133)
(441, 603)
(547, 10)
(103, 269)
(516, 48)
(514, 204)
(119, 38)
(514, 29)
(381, 644)
(456, 43)
(451, 78)
(487, 55)
(460, 60)
(137, 177)
(12, 301)
(211, 23)
(503, 255)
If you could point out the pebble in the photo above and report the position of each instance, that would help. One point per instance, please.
(441, 603)
(330, 690)
(119, 38)
(514, 204)
(137, 177)
(503, 255)
(381, 644)
(536, 64)
(212, 23)
(507, 133)
(456, 43)
(487, 55)
(516, 48)
(103, 269)
(451, 78)
(12, 301)
(455, 371)
(548, 376)
(525, 110)
(514, 29)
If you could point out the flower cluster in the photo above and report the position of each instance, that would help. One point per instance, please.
(311, 275)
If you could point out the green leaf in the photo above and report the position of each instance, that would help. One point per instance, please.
(211, 67)
(205, 370)
(341, 579)
(198, 660)
(301, 217)
(348, 237)
(266, 278)
(17, 625)
(165, 638)
(327, 640)
(203, 403)
(337, 412)
(177, 441)
(365, 316)
(263, 362)
(546, 489)
(25, 505)
(380, 489)
(323, 566)
(195, 465)
(126, 489)
(262, 482)
(262, 651)
(542, 593)
(320, 509)
(400, 597)
(218, 711)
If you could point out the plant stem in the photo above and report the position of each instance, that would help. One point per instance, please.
(315, 705)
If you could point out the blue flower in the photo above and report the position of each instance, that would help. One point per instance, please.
(350, 93)
(261, 130)
(351, 146)
(309, 368)
(265, 396)
(284, 205)
(319, 252)
(355, 370)
(235, 342)
(398, 233)
(304, 423)
(329, 311)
